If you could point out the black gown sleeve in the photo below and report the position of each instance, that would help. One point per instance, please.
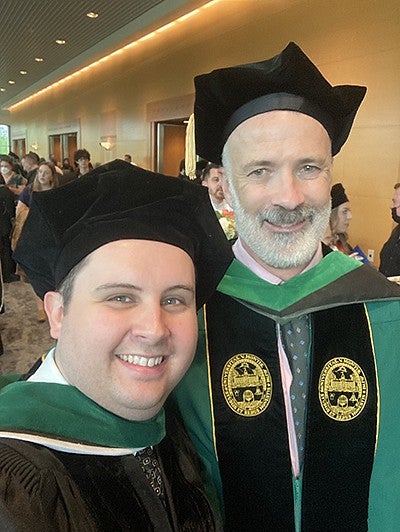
(37, 493)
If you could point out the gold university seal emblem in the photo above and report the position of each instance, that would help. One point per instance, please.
(343, 389)
(247, 384)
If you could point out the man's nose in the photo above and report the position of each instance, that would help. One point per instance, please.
(287, 191)
(150, 322)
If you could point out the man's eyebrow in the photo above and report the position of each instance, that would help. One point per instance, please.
(313, 159)
(256, 162)
(119, 286)
(129, 286)
(187, 287)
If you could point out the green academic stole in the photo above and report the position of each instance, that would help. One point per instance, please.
(250, 422)
(64, 413)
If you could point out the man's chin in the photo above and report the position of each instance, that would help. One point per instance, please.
(287, 254)
(288, 263)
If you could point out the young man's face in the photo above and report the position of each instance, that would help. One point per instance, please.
(83, 164)
(129, 332)
(279, 169)
(26, 164)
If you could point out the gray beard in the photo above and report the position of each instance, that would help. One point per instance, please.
(282, 250)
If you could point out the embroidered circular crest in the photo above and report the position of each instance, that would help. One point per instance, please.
(343, 389)
(247, 384)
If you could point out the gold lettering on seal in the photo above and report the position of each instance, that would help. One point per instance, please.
(342, 389)
(246, 384)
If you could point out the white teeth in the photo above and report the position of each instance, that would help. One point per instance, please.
(141, 361)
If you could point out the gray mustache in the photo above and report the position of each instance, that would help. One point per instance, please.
(281, 216)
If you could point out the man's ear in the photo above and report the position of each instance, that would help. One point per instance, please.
(54, 307)
(204, 183)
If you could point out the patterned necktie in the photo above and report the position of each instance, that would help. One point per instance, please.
(296, 341)
(148, 462)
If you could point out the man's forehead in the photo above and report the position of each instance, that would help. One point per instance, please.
(277, 127)
(123, 249)
(125, 257)
(216, 172)
(126, 244)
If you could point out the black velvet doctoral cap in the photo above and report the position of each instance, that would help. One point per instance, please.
(338, 195)
(120, 201)
(289, 81)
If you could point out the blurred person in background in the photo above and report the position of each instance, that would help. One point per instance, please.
(82, 160)
(30, 164)
(337, 237)
(7, 215)
(66, 165)
(390, 252)
(212, 177)
(13, 180)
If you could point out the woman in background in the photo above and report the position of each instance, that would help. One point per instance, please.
(14, 181)
(337, 237)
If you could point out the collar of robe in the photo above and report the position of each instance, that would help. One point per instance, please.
(336, 280)
(64, 413)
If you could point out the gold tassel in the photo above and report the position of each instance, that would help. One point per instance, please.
(190, 149)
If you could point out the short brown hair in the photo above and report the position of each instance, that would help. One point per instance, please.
(81, 153)
(205, 174)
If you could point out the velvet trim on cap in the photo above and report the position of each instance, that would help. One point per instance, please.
(279, 102)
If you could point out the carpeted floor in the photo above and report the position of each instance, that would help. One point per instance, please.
(24, 338)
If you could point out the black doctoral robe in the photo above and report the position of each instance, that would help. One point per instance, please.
(43, 489)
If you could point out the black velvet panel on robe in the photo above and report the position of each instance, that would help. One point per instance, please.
(253, 451)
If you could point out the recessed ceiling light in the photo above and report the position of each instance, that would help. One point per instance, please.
(60, 41)
(39, 59)
(2, 89)
(23, 72)
(11, 81)
(91, 14)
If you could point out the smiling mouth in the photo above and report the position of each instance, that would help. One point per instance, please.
(141, 361)
(285, 227)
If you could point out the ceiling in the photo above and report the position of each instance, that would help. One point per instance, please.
(30, 29)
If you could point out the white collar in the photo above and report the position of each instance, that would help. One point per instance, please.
(48, 371)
